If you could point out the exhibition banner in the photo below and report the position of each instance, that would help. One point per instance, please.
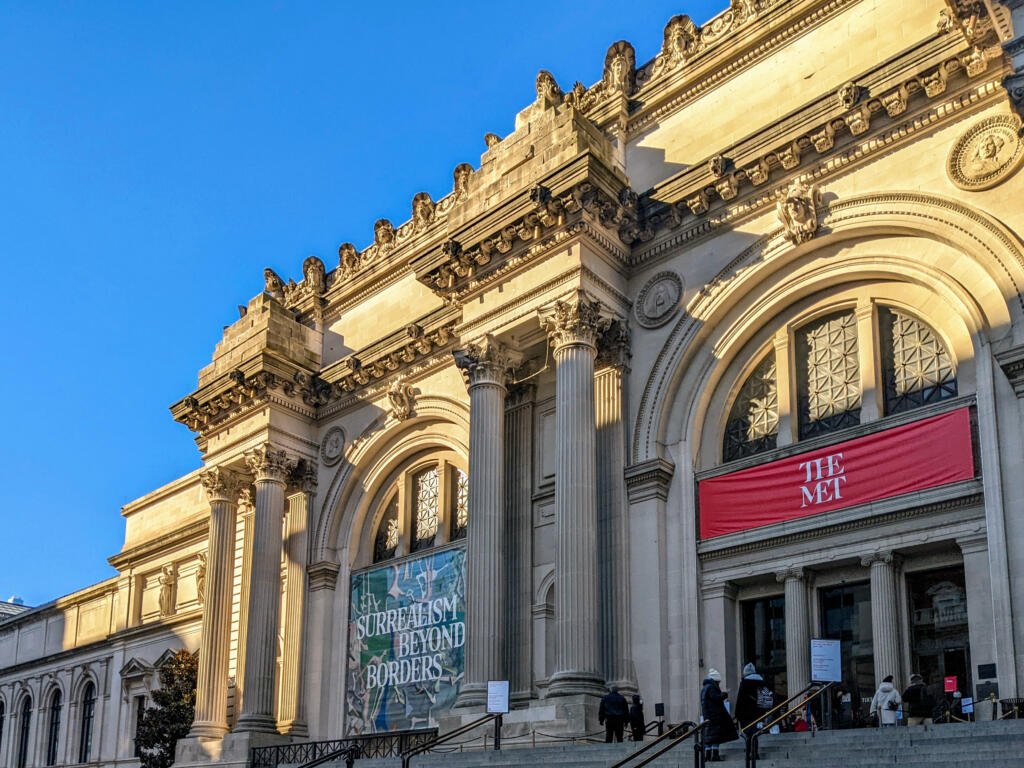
(913, 457)
(406, 643)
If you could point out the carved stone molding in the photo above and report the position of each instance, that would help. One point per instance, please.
(303, 477)
(268, 463)
(485, 361)
(322, 575)
(332, 447)
(886, 556)
(649, 480)
(401, 395)
(614, 347)
(659, 300)
(579, 320)
(222, 484)
(797, 210)
(793, 572)
(986, 154)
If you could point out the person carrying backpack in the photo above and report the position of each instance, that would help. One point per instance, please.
(886, 703)
(919, 704)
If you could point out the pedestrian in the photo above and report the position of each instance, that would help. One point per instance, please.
(612, 714)
(637, 724)
(799, 722)
(886, 703)
(919, 705)
(753, 701)
(718, 725)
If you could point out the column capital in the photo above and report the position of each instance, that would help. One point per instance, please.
(792, 573)
(268, 463)
(222, 484)
(882, 556)
(322, 575)
(485, 361)
(613, 349)
(577, 320)
(972, 543)
(303, 477)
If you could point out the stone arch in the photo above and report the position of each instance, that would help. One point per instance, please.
(439, 422)
(979, 265)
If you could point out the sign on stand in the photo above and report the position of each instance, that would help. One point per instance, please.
(826, 661)
(497, 697)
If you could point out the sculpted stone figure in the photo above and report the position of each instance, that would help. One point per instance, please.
(797, 209)
(461, 178)
(314, 275)
(348, 258)
(620, 68)
(680, 39)
(273, 284)
(422, 211)
(848, 95)
(201, 578)
(167, 579)
(548, 92)
(401, 396)
(383, 234)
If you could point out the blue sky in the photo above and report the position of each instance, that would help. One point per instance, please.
(155, 157)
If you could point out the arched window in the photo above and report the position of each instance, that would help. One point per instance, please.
(753, 424)
(88, 714)
(427, 505)
(828, 375)
(916, 369)
(53, 728)
(23, 732)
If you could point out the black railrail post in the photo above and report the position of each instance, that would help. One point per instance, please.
(698, 748)
(497, 733)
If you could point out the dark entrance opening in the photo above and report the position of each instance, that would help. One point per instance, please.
(939, 640)
(846, 616)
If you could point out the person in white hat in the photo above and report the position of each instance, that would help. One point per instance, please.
(718, 725)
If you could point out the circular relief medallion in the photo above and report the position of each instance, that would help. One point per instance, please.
(332, 446)
(659, 300)
(987, 154)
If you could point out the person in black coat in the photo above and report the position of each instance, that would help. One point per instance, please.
(718, 725)
(918, 703)
(612, 714)
(637, 724)
(753, 699)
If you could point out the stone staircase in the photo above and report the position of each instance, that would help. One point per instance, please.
(996, 744)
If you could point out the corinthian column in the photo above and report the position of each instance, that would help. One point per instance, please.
(484, 365)
(885, 628)
(211, 714)
(798, 639)
(613, 533)
(573, 327)
(269, 467)
(300, 510)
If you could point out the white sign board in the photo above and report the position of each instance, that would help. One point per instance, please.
(967, 706)
(826, 661)
(497, 697)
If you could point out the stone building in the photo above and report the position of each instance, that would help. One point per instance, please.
(719, 355)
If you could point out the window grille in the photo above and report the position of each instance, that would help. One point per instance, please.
(828, 375)
(753, 424)
(916, 369)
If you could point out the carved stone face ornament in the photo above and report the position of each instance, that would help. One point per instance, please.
(798, 212)
(988, 153)
(422, 211)
(620, 68)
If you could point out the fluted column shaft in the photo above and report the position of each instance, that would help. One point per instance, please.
(211, 715)
(798, 639)
(574, 327)
(269, 468)
(519, 484)
(613, 532)
(484, 365)
(300, 509)
(885, 628)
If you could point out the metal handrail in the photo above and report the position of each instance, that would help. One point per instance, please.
(350, 753)
(751, 751)
(408, 755)
(672, 733)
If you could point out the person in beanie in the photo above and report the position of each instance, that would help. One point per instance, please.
(612, 714)
(885, 703)
(637, 724)
(919, 704)
(753, 699)
(718, 725)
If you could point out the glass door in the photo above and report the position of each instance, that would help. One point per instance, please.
(846, 616)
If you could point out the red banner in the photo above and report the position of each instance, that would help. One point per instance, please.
(924, 454)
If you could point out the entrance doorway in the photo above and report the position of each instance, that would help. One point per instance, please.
(846, 616)
(939, 640)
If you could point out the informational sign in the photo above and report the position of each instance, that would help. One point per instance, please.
(406, 643)
(923, 454)
(967, 706)
(826, 661)
(949, 684)
(497, 697)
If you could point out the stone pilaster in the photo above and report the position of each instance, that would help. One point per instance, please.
(574, 327)
(300, 510)
(613, 529)
(519, 484)
(246, 510)
(484, 364)
(269, 467)
(885, 625)
(221, 486)
(798, 637)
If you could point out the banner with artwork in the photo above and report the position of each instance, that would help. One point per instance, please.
(406, 643)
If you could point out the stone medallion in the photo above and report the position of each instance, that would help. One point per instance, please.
(987, 154)
(332, 446)
(659, 300)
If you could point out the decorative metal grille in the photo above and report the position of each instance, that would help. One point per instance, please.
(391, 744)
(828, 391)
(916, 369)
(426, 508)
(460, 520)
(753, 424)
(386, 542)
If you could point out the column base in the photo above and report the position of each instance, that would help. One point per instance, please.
(471, 695)
(574, 683)
(198, 750)
(543, 721)
(626, 687)
(250, 723)
(237, 746)
(207, 731)
(296, 729)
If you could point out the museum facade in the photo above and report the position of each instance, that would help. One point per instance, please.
(718, 356)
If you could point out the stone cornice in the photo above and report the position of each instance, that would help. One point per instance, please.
(322, 575)
(649, 480)
(882, 95)
(1012, 364)
(180, 537)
